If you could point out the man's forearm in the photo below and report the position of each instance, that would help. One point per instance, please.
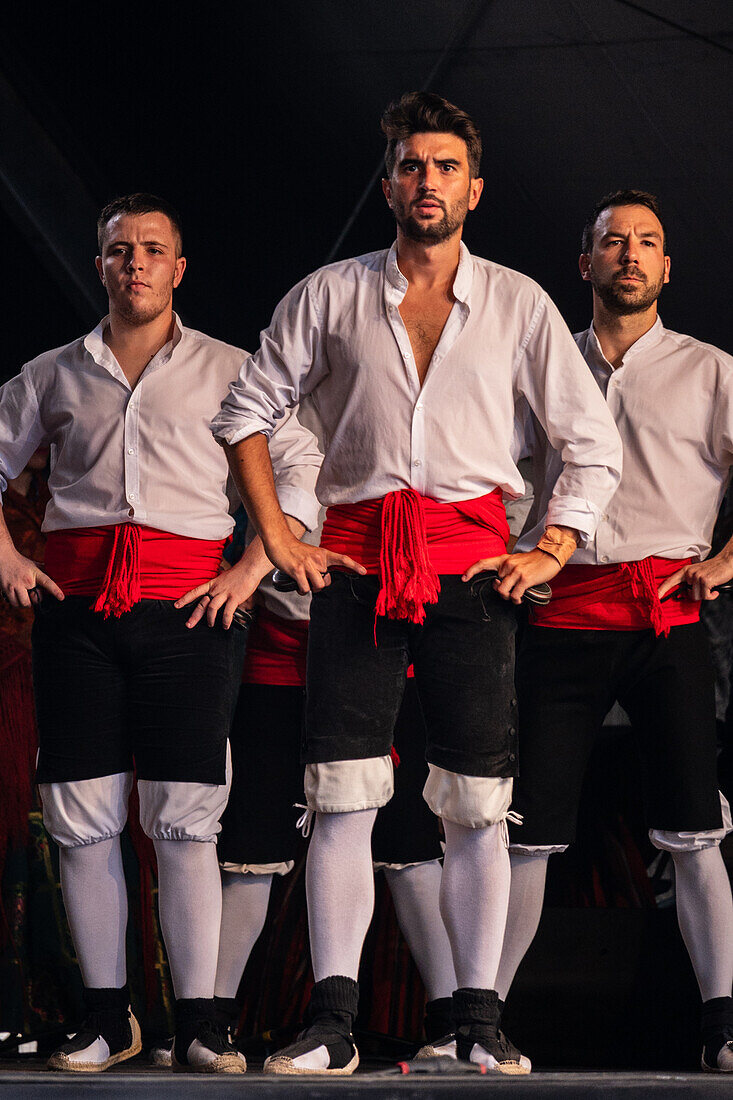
(251, 468)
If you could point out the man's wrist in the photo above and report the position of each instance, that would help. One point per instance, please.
(559, 542)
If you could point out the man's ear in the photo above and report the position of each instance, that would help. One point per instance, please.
(584, 265)
(387, 191)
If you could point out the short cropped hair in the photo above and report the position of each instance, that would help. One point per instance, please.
(427, 113)
(139, 203)
(621, 198)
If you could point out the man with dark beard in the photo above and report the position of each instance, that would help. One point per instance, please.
(415, 357)
(612, 632)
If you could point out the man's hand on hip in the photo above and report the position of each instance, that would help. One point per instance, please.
(309, 565)
(21, 579)
(517, 572)
(700, 577)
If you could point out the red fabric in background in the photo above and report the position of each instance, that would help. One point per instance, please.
(602, 597)
(170, 565)
(276, 651)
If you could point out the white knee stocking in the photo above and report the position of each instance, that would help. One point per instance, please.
(705, 915)
(95, 897)
(340, 890)
(526, 895)
(415, 893)
(189, 902)
(473, 900)
(243, 911)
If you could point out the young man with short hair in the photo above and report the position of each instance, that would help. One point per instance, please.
(138, 515)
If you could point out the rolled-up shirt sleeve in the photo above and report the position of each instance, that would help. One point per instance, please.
(296, 463)
(567, 402)
(289, 364)
(21, 428)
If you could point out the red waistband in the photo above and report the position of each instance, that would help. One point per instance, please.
(276, 651)
(124, 563)
(409, 539)
(616, 597)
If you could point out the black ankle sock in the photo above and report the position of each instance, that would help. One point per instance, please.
(333, 1004)
(226, 1011)
(108, 1014)
(438, 1018)
(716, 1026)
(190, 1013)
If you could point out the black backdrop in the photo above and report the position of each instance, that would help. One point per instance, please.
(261, 123)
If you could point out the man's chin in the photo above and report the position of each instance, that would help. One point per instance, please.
(430, 233)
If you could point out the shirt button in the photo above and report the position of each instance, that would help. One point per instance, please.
(132, 496)
(406, 354)
(417, 462)
(512, 756)
(419, 408)
(605, 557)
(130, 451)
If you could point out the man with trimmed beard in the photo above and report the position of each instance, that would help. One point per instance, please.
(415, 357)
(624, 619)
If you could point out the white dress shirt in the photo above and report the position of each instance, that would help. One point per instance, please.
(672, 400)
(142, 455)
(339, 337)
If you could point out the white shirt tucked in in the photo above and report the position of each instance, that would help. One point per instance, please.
(672, 400)
(142, 455)
(339, 337)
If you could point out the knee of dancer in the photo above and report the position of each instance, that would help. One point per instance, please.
(86, 811)
(181, 811)
(173, 810)
(473, 801)
(669, 841)
(283, 868)
(342, 786)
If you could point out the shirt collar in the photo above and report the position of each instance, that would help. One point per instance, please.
(101, 354)
(594, 352)
(461, 284)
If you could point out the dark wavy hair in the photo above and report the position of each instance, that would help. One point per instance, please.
(427, 113)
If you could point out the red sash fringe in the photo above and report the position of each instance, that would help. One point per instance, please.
(409, 539)
(616, 597)
(124, 563)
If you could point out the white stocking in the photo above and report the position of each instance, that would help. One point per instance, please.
(244, 903)
(189, 902)
(527, 893)
(340, 890)
(95, 897)
(705, 915)
(474, 895)
(415, 892)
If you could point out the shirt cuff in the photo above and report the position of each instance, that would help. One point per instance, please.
(299, 504)
(583, 516)
(227, 429)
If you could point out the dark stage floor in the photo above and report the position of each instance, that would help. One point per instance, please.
(29, 1080)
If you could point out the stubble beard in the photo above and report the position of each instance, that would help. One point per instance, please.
(622, 302)
(137, 313)
(432, 232)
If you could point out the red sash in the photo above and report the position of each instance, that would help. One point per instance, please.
(124, 563)
(616, 597)
(276, 651)
(409, 539)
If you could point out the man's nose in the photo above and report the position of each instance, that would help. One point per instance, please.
(134, 260)
(631, 251)
(429, 177)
